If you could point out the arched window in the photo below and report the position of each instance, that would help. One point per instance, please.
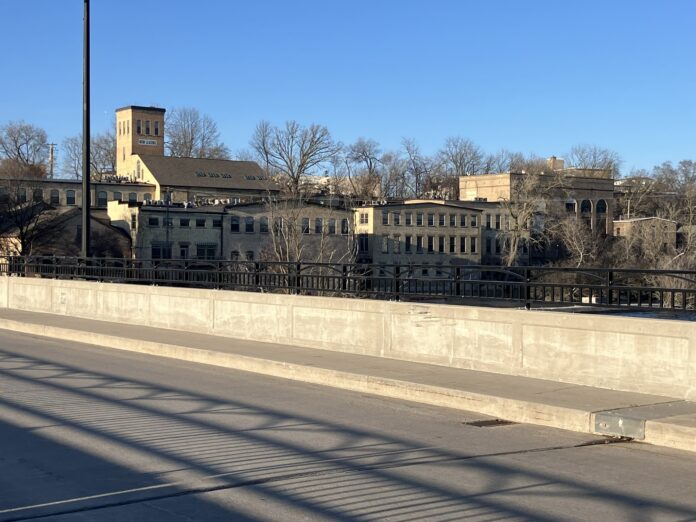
(22, 195)
(70, 197)
(55, 197)
(101, 198)
(38, 194)
(586, 206)
(601, 207)
(118, 196)
(147, 196)
(571, 205)
(132, 197)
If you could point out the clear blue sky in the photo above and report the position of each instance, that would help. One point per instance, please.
(530, 76)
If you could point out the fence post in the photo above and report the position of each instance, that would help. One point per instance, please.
(458, 282)
(344, 278)
(257, 274)
(527, 290)
(610, 283)
(396, 274)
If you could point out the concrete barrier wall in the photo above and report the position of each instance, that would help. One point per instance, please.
(631, 354)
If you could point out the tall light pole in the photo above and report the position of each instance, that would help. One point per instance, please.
(86, 196)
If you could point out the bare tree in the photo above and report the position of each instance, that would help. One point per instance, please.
(594, 157)
(24, 144)
(293, 152)
(193, 135)
(24, 216)
(102, 156)
(418, 168)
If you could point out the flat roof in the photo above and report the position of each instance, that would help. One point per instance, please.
(142, 108)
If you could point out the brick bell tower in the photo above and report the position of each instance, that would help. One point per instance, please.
(139, 130)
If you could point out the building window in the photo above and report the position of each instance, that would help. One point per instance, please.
(147, 127)
(305, 225)
(430, 245)
(409, 219)
(138, 127)
(396, 218)
(249, 255)
(263, 225)
(488, 221)
(70, 197)
(441, 244)
(397, 244)
(462, 244)
(318, 225)
(234, 255)
(134, 221)
(55, 197)
(147, 197)
(385, 217)
(22, 195)
(206, 250)
(419, 244)
(153, 222)
(570, 206)
(132, 197)
(453, 220)
(161, 251)
(407, 244)
(344, 227)
(452, 244)
(184, 251)
(120, 123)
(200, 223)
(462, 220)
(234, 223)
(137, 170)
(474, 220)
(127, 126)
(473, 242)
(332, 226)
(101, 198)
(385, 244)
(118, 196)
(363, 243)
(156, 128)
(217, 222)
(419, 219)
(184, 222)
(364, 218)
(249, 224)
(441, 220)
(38, 195)
(497, 221)
(431, 220)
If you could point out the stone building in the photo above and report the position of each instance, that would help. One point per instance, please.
(278, 230)
(424, 232)
(140, 138)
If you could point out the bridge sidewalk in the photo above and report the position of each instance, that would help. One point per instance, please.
(654, 419)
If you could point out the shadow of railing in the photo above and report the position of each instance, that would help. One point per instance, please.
(175, 443)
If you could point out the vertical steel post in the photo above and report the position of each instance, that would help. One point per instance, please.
(86, 199)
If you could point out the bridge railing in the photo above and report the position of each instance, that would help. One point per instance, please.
(526, 286)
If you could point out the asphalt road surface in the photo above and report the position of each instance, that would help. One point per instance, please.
(94, 434)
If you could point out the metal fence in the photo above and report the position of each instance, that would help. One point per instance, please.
(637, 290)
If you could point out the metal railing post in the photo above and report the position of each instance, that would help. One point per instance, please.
(527, 290)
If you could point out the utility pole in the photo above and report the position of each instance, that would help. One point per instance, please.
(86, 199)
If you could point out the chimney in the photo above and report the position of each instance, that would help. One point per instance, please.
(555, 163)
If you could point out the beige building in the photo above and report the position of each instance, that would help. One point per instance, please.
(586, 193)
(424, 232)
(656, 230)
(266, 231)
(140, 138)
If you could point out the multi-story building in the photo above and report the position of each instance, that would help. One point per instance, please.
(423, 232)
(586, 193)
(140, 137)
(277, 230)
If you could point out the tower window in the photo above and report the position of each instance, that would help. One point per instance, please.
(138, 128)
(147, 127)
(156, 128)
(127, 126)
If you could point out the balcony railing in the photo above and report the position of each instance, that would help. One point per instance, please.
(635, 290)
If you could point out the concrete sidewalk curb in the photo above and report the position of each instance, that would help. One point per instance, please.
(659, 432)
(502, 407)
